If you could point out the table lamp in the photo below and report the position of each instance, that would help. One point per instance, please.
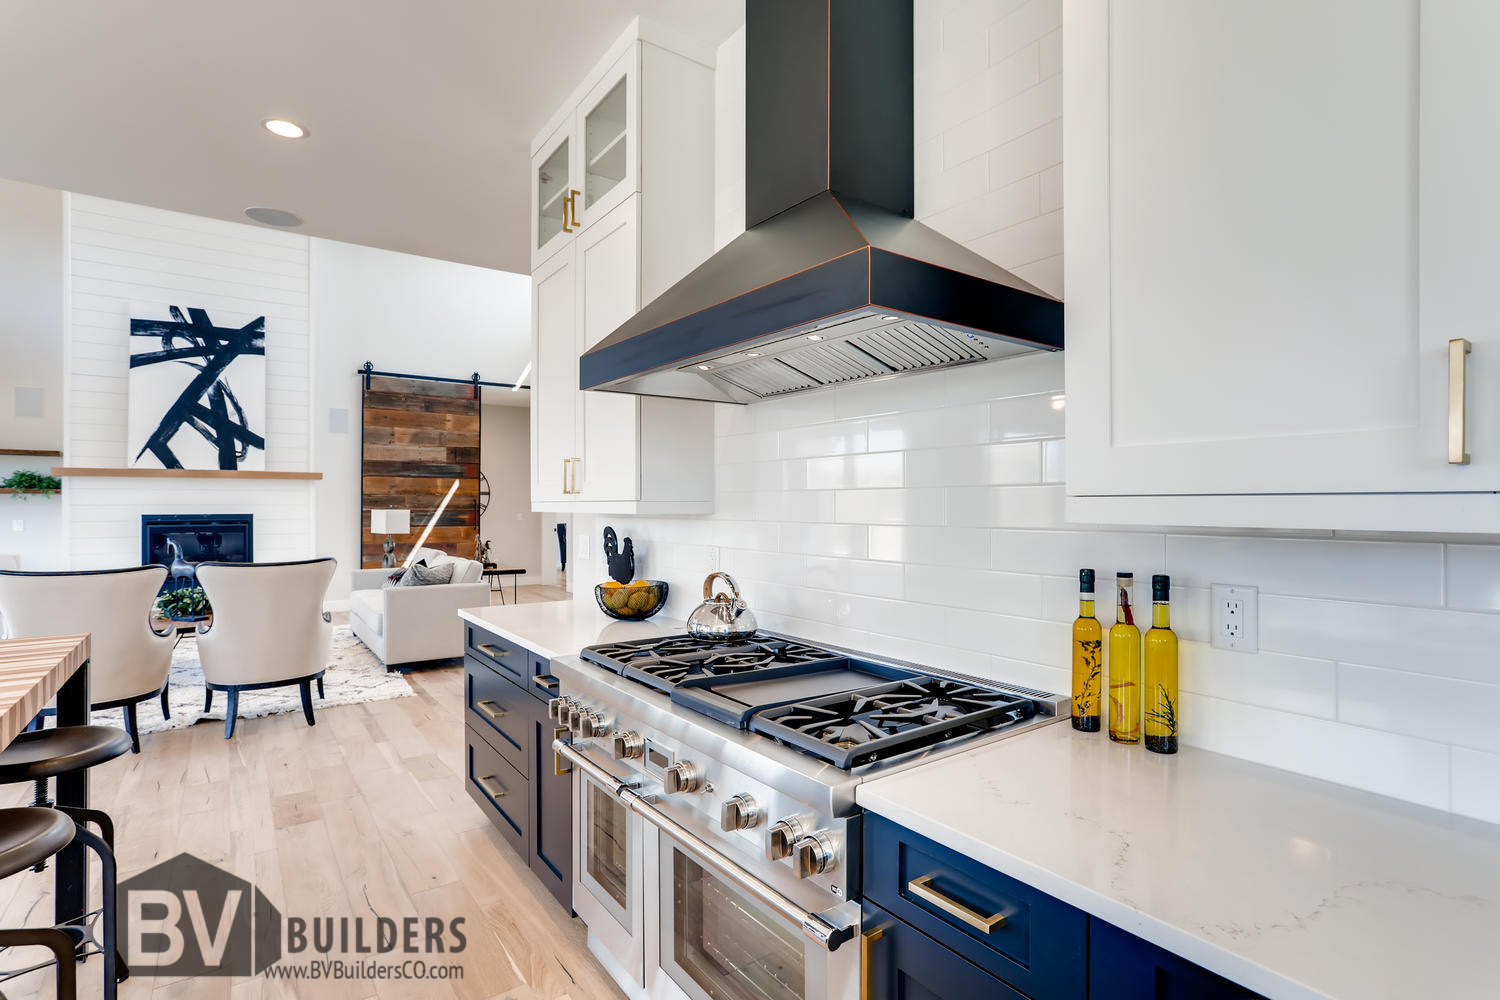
(389, 522)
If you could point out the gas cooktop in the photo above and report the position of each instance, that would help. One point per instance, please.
(830, 705)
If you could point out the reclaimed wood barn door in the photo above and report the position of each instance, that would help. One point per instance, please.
(417, 438)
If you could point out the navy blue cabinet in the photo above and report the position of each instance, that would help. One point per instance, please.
(941, 926)
(1123, 967)
(510, 768)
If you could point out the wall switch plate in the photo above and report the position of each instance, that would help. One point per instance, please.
(713, 558)
(582, 555)
(1234, 617)
(17, 524)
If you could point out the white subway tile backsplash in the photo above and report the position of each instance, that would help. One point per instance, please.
(842, 438)
(1064, 553)
(976, 589)
(930, 428)
(1476, 784)
(856, 472)
(1021, 418)
(908, 506)
(910, 543)
(1028, 24)
(1472, 577)
(974, 465)
(1463, 713)
(826, 539)
(1391, 572)
(1270, 680)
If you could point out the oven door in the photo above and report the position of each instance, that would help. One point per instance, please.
(717, 942)
(608, 891)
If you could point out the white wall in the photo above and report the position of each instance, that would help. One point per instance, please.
(923, 517)
(406, 314)
(32, 241)
(128, 258)
(514, 532)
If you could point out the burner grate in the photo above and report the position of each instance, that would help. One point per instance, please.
(666, 662)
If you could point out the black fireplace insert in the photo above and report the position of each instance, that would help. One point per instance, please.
(182, 541)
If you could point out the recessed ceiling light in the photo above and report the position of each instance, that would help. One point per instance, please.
(752, 354)
(814, 336)
(284, 128)
(705, 368)
(274, 216)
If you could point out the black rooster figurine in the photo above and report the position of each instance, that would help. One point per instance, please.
(621, 564)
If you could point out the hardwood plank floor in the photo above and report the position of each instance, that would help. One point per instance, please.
(364, 813)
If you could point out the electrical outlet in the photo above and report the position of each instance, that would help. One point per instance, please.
(582, 555)
(17, 524)
(1235, 617)
(713, 558)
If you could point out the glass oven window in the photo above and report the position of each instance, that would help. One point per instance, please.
(607, 843)
(732, 947)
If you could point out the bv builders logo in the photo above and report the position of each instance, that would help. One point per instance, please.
(186, 917)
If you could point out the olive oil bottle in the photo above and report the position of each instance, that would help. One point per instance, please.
(1161, 672)
(1088, 658)
(1124, 667)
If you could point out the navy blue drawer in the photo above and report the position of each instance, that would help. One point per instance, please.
(501, 711)
(515, 662)
(1040, 946)
(1123, 967)
(501, 791)
(905, 964)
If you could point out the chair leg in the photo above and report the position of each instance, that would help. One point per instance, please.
(306, 687)
(208, 699)
(98, 817)
(166, 709)
(233, 713)
(60, 943)
(130, 727)
(108, 878)
(320, 688)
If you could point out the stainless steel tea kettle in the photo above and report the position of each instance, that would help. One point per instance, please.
(721, 616)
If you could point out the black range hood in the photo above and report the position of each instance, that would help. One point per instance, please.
(832, 281)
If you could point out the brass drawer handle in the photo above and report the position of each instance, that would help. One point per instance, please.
(558, 767)
(488, 709)
(491, 787)
(866, 948)
(495, 652)
(572, 206)
(1458, 370)
(567, 201)
(545, 681)
(923, 890)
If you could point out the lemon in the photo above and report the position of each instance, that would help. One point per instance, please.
(640, 600)
(611, 584)
(616, 598)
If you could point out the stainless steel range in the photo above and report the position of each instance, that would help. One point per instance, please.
(716, 835)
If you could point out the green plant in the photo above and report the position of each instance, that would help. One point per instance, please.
(24, 481)
(186, 602)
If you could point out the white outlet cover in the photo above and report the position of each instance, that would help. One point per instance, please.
(713, 558)
(583, 548)
(17, 524)
(1220, 617)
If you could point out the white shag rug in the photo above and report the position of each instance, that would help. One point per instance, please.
(354, 675)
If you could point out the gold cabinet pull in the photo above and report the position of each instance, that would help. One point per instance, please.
(567, 464)
(491, 787)
(545, 681)
(923, 890)
(490, 711)
(866, 948)
(558, 767)
(493, 651)
(572, 206)
(567, 203)
(1458, 367)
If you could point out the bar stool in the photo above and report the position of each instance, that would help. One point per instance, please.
(28, 836)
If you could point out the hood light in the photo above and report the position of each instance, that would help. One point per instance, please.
(284, 128)
(815, 337)
(752, 354)
(705, 368)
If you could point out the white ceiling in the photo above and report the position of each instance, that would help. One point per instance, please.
(420, 112)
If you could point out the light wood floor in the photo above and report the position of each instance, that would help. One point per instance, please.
(363, 814)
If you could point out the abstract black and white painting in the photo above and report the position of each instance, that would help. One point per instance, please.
(197, 393)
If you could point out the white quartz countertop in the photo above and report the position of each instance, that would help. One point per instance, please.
(1290, 886)
(562, 628)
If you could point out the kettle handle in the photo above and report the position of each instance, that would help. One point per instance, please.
(708, 586)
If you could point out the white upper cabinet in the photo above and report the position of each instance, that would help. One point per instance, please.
(629, 160)
(1279, 214)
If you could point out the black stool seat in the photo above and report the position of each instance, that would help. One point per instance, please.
(47, 753)
(29, 835)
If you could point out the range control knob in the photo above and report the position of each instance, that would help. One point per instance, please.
(626, 744)
(781, 838)
(683, 776)
(740, 812)
(557, 707)
(816, 854)
(587, 723)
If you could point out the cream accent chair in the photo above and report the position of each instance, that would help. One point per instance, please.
(128, 661)
(269, 629)
(406, 625)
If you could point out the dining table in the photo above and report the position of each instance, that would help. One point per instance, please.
(32, 673)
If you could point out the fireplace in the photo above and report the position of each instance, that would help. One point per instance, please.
(181, 541)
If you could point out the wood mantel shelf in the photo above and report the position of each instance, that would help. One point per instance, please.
(30, 453)
(68, 470)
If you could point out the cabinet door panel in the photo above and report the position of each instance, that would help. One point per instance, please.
(1248, 276)
(608, 132)
(905, 964)
(1123, 967)
(553, 176)
(608, 254)
(554, 377)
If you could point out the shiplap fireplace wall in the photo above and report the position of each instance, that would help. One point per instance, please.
(124, 259)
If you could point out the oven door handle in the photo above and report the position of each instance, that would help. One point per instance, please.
(813, 925)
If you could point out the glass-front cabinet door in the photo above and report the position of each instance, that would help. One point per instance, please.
(607, 890)
(552, 195)
(607, 130)
(718, 942)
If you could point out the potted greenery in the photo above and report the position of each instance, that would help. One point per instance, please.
(24, 482)
(186, 604)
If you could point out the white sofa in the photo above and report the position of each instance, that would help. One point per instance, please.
(404, 625)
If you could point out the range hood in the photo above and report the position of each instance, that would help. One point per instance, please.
(832, 281)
